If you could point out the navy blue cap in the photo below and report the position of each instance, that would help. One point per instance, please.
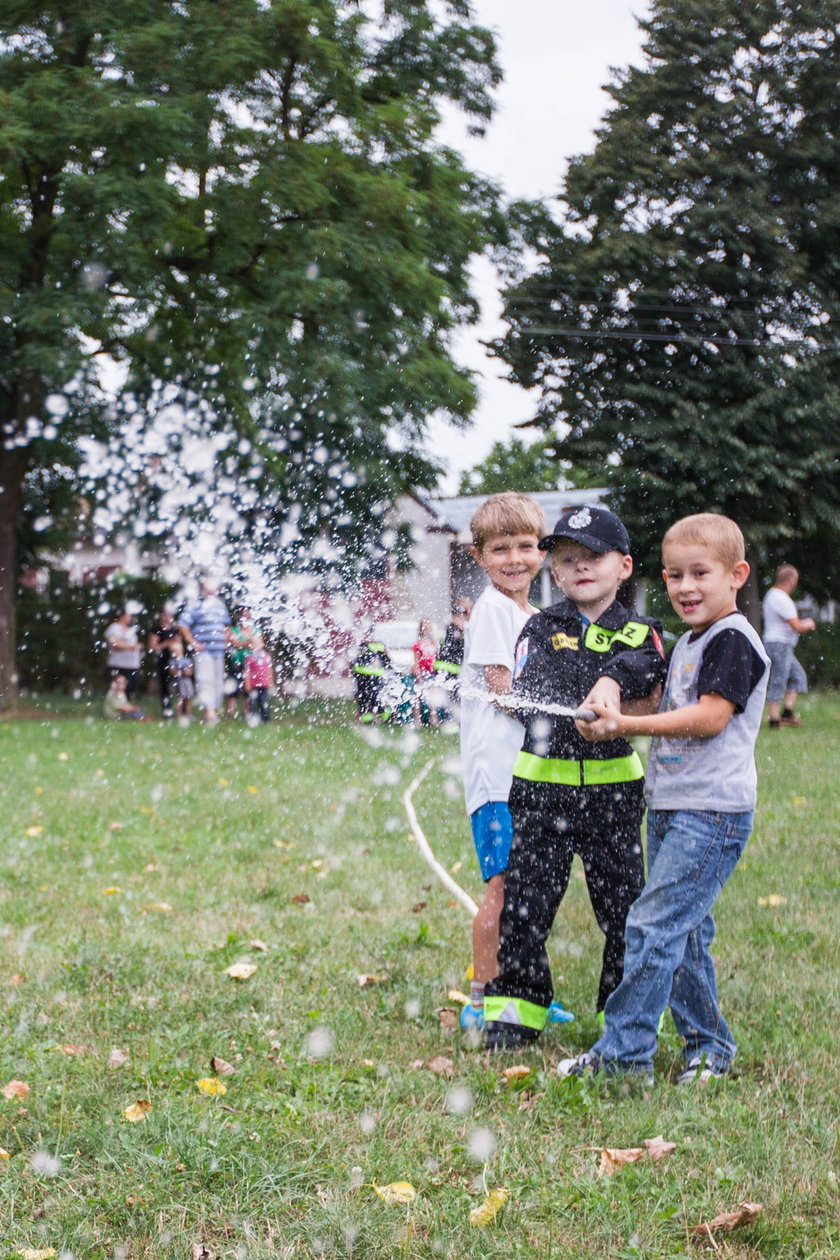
(594, 527)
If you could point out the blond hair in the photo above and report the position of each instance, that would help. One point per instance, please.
(712, 530)
(503, 515)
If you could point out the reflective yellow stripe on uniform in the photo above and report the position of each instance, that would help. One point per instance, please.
(447, 667)
(597, 639)
(511, 1010)
(369, 671)
(569, 773)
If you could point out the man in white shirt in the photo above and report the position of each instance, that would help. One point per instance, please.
(782, 628)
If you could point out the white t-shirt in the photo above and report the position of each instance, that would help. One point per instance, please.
(778, 608)
(122, 658)
(490, 739)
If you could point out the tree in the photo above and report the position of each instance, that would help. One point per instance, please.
(679, 319)
(242, 207)
(525, 466)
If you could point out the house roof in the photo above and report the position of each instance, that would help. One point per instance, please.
(454, 515)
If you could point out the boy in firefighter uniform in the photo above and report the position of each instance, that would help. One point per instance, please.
(570, 796)
(370, 669)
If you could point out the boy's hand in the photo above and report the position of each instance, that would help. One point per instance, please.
(608, 725)
(606, 692)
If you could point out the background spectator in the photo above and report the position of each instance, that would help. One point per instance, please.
(782, 628)
(163, 634)
(123, 650)
(204, 625)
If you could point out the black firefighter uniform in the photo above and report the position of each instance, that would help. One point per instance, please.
(370, 668)
(570, 796)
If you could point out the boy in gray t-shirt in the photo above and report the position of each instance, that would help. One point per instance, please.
(701, 787)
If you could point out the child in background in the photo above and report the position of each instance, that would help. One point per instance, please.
(568, 798)
(117, 704)
(259, 680)
(701, 792)
(506, 531)
(423, 671)
(182, 675)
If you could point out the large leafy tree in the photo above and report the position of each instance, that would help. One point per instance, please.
(241, 208)
(519, 465)
(679, 319)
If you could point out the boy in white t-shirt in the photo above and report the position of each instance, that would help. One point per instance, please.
(782, 628)
(506, 531)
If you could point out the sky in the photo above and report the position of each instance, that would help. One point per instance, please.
(556, 56)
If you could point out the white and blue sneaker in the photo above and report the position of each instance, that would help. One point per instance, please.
(698, 1071)
(472, 1017)
(589, 1064)
(581, 1065)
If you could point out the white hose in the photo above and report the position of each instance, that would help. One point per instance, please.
(423, 845)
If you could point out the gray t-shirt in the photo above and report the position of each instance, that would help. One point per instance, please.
(716, 772)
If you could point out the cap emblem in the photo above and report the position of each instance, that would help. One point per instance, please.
(580, 519)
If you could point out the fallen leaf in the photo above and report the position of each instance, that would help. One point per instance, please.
(16, 979)
(441, 1066)
(447, 1017)
(516, 1073)
(32, 1253)
(4, 1154)
(745, 1214)
(396, 1192)
(116, 826)
(150, 868)
(259, 945)
(209, 1085)
(486, 1211)
(71, 1049)
(418, 906)
(657, 1148)
(109, 892)
(301, 899)
(221, 1067)
(117, 1058)
(138, 1110)
(365, 981)
(163, 906)
(15, 1089)
(455, 995)
(223, 782)
(416, 1063)
(253, 789)
(774, 899)
(614, 1159)
(241, 970)
(33, 832)
(799, 800)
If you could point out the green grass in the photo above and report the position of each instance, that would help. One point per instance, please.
(228, 827)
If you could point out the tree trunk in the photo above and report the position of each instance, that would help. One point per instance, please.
(12, 468)
(749, 599)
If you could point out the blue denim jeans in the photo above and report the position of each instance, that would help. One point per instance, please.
(670, 929)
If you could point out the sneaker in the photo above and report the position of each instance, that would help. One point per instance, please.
(582, 1065)
(589, 1064)
(509, 1037)
(557, 1014)
(699, 1072)
(472, 1017)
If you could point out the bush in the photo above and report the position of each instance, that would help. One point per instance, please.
(819, 653)
(60, 629)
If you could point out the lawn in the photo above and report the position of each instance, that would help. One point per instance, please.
(140, 862)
